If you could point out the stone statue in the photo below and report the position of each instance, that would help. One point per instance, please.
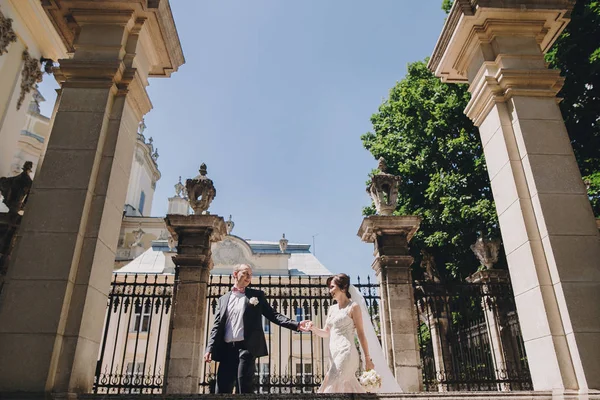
(229, 225)
(16, 189)
(283, 243)
(384, 189)
(201, 191)
(179, 189)
(486, 251)
(137, 237)
(430, 271)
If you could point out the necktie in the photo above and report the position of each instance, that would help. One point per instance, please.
(235, 289)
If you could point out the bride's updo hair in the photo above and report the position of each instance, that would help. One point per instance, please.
(342, 281)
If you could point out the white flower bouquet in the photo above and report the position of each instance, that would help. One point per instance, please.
(370, 380)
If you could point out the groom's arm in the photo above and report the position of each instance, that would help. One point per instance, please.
(274, 316)
(214, 330)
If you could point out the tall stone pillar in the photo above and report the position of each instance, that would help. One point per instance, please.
(390, 236)
(195, 234)
(549, 233)
(54, 298)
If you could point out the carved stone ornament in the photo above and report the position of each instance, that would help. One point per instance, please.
(430, 271)
(486, 251)
(201, 192)
(229, 224)
(137, 237)
(384, 190)
(179, 189)
(7, 34)
(283, 243)
(15, 190)
(31, 75)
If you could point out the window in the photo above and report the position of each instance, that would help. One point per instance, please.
(141, 316)
(142, 201)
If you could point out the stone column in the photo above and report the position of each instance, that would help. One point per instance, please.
(390, 236)
(547, 224)
(187, 338)
(493, 320)
(54, 299)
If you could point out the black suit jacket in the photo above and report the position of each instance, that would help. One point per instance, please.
(253, 327)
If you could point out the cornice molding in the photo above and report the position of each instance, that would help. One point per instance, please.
(464, 30)
(495, 84)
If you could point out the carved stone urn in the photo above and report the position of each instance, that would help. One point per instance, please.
(200, 191)
(384, 190)
(486, 251)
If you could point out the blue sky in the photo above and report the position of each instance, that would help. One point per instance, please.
(274, 97)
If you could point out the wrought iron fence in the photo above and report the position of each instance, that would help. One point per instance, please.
(470, 338)
(132, 351)
(297, 362)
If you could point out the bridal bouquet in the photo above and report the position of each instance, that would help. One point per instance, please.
(370, 380)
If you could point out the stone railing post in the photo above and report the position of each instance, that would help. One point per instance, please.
(390, 236)
(493, 319)
(187, 336)
(548, 229)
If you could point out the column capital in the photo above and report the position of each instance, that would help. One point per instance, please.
(394, 266)
(489, 276)
(468, 26)
(195, 234)
(162, 45)
(507, 76)
(380, 225)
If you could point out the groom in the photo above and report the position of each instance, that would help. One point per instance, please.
(237, 336)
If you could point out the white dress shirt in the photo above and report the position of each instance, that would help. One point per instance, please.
(234, 329)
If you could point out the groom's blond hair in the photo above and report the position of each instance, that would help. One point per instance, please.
(237, 268)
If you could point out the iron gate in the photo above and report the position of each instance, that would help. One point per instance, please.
(297, 362)
(132, 351)
(470, 338)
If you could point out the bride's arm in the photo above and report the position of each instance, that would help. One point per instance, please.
(324, 333)
(358, 323)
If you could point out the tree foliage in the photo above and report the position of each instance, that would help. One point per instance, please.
(425, 137)
(577, 54)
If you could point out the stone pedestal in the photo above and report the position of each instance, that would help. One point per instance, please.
(54, 300)
(548, 228)
(187, 338)
(390, 236)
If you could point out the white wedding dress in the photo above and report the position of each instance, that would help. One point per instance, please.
(341, 377)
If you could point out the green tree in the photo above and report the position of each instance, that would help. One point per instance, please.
(425, 137)
(577, 54)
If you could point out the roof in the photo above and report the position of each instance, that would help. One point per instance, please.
(300, 261)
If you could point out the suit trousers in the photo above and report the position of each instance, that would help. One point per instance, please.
(237, 368)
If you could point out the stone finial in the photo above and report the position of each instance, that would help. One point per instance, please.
(7, 34)
(201, 191)
(179, 188)
(486, 251)
(141, 127)
(384, 190)
(283, 243)
(230, 224)
(430, 271)
(15, 190)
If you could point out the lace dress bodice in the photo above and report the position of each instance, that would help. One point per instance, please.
(341, 377)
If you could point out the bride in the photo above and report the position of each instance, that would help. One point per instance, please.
(345, 318)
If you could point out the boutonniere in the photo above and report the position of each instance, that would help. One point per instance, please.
(253, 301)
